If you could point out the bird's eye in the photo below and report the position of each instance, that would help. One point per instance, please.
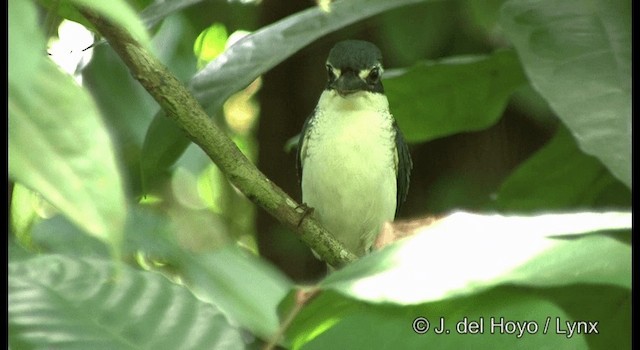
(330, 74)
(374, 75)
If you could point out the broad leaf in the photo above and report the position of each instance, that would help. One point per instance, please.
(609, 306)
(59, 235)
(455, 95)
(561, 177)
(577, 55)
(63, 151)
(481, 321)
(26, 46)
(465, 253)
(60, 302)
(245, 288)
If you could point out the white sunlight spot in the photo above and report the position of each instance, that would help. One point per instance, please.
(235, 37)
(467, 251)
(68, 49)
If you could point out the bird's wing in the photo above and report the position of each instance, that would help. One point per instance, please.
(301, 153)
(403, 168)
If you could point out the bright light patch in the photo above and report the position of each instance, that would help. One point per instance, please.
(324, 5)
(235, 37)
(69, 50)
(210, 43)
(241, 110)
(465, 253)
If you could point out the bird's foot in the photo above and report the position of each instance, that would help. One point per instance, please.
(305, 210)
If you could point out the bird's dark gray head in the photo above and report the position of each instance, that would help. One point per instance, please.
(354, 65)
(354, 54)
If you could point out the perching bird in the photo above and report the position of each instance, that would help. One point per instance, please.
(353, 162)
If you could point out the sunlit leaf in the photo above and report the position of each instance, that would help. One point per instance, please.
(63, 151)
(26, 45)
(481, 321)
(60, 302)
(468, 253)
(210, 43)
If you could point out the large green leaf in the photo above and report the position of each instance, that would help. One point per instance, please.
(577, 54)
(163, 144)
(63, 151)
(473, 273)
(396, 34)
(560, 177)
(607, 305)
(246, 60)
(245, 288)
(481, 321)
(25, 43)
(61, 302)
(437, 99)
(466, 253)
(58, 235)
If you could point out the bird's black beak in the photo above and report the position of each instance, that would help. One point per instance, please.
(348, 83)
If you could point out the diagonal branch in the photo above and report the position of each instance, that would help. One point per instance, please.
(183, 108)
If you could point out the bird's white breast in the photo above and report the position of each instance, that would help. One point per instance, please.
(348, 170)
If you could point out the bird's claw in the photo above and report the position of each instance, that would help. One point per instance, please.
(306, 211)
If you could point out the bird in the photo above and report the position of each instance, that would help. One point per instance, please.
(352, 160)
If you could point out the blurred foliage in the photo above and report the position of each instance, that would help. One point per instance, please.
(124, 235)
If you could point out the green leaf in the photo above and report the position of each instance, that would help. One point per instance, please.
(466, 253)
(63, 151)
(210, 43)
(609, 306)
(484, 14)
(60, 302)
(558, 177)
(477, 321)
(396, 34)
(58, 235)
(244, 287)
(163, 144)
(26, 45)
(60, 150)
(250, 57)
(456, 95)
(577, 55)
